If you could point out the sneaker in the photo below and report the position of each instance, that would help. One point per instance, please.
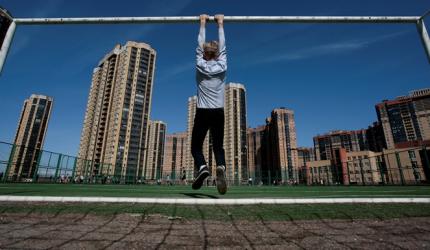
(201, 176)
(221, 183)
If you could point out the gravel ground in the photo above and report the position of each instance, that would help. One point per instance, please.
(134, 231)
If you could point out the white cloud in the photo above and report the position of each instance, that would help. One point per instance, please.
(328, 49)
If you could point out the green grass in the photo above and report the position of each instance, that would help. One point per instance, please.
(210, 192)
(249, 212)
(226, 213)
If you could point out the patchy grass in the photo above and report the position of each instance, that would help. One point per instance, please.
(238, 212)
(210, 192)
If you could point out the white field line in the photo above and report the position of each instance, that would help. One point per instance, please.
(192, 201)
(277, 190)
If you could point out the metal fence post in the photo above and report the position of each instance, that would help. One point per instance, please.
(36, 171)
(381, 172)
(312, 175)
(425, 154)
(327, 174)
(360, 163)
(74, 168)
(285, 174)
(336, 172)
(349, 174)
(399, 165)
(9, 163)
(85, 173)
(48, 165)
(270, 177)
(60, 156)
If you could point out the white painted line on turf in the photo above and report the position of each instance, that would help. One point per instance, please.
(193, 201)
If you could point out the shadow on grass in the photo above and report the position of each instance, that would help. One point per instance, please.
(200, 195)
(25, 192)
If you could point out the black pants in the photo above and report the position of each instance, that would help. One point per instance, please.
(212, 120)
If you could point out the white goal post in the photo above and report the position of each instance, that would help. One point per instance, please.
(8, 23)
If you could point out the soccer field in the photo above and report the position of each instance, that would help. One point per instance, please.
(211, 192)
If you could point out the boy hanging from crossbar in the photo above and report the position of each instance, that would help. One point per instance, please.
(211, 67)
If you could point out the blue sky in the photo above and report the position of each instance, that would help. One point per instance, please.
(331, 75)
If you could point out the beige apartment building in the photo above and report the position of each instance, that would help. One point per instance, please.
(30, 136)
(406, 119)
(392, 167)
(283, 139)
(115, 129)
(235, 127)
(256, 152)
(357, 168)
(234, 136)
(406, 166)
(326, 144)
(363, 167)
(153, 167)
(319, 172)
(175, 156)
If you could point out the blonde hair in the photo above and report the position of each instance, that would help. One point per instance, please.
(211, 49)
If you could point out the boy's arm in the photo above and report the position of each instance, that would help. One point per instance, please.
(202, 33)
(221, 38)
(202, 37)
(222, 56)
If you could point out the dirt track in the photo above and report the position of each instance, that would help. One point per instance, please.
(133, 231)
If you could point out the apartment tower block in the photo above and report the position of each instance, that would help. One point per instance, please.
(114, 134)
(30, 136)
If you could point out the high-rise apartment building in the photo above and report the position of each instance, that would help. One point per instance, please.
(282, 137)
(114, 134)
(175, 156)
(155, 151)
(30, 136)
(234, 135)
(405, 120)
(256, 152)
(235, 127)
(351, 141)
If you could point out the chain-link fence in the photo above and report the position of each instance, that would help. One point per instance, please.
(409, 166)
(391, 167)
